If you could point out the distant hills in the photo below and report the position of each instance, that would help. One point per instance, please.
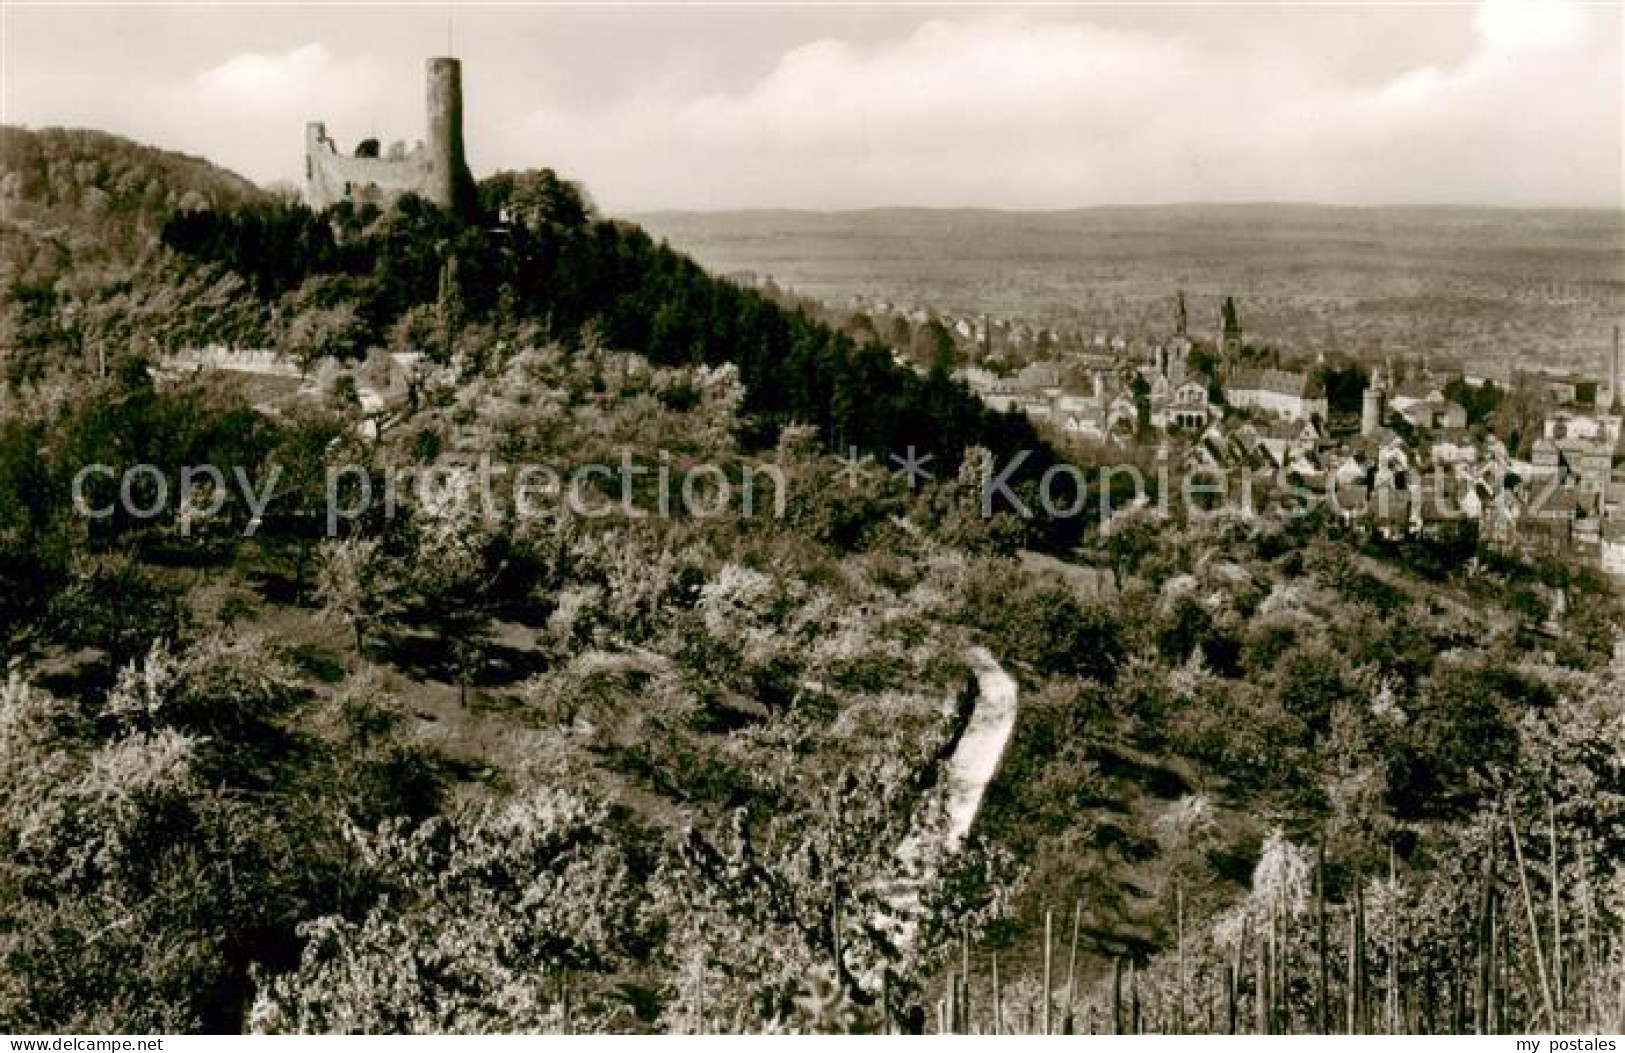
(1494, 288)
(1489, 286)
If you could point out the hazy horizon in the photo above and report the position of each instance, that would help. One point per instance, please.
(826, 108)
(1063, 209)
(1378, 206)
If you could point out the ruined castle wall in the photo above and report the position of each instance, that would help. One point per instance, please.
(436, 170)
(331, 177)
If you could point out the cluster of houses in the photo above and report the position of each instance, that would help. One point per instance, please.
(1567, 499)
(1165, 394)
(988, 337)
(1411, 468)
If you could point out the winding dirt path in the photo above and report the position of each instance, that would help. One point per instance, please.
(976, 759)
(971, 768)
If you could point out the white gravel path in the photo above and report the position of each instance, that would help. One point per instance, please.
(971, 768)
(981, 748)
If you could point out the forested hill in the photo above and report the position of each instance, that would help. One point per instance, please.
(95, 195)
(80, 217)
(718, 730)
(534, 266)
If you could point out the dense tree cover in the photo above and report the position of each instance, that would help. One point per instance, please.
(273, 244)
(79, 236)
(91, 505)
(1277, 681)
(98, 197)
(143, 870)
(1479, 400)
(1344, 386)
(33, 549)
(1044, 627)
(225, 758)
(536, 254)
(455, 768)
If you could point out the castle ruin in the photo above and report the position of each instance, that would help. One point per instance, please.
(435, 170)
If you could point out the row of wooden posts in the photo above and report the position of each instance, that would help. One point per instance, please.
(1477, 994)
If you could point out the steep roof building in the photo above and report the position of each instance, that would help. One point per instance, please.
(1293, 395)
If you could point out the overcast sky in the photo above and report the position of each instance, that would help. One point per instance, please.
(831, 106)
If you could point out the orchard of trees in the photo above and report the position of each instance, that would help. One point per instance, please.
(454, 770)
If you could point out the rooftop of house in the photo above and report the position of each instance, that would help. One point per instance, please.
(1418, 388)
(1276, 381)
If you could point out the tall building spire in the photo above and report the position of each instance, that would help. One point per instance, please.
(1230, 322)
(1619, 371)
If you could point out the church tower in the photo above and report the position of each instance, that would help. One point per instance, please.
(1230, 329)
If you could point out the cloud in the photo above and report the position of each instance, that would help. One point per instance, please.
(263, 79)
(1006, 109)
(305, 80)
(283, 91)
(1506, 103)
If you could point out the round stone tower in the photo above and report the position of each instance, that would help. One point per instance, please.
(449, 183)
